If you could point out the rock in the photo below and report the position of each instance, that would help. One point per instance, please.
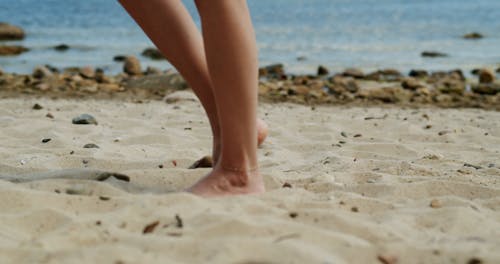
(205, 162)
(354, 73)
(450, 85)
(457, 74)
(90, 145)
(153, 54)
(61, 47)
(12, 50)
(435, 204)
(473, 35)
(160, 83)
(498, 70)
(37, 107)
(298, 90)
(322, 70)
(46, 140)
(152, 71)
(87, 72)
(411, 84)
(1, 72)
(132, 66)
(486, 76)
(486, 88)
(274, 71)
(418, 73)
(41, 72)
(385, 75)
(386, 94)
(433, 54)
(119, 58)
(110, 87)
(10, 32)
(84, 119)
(345, 84)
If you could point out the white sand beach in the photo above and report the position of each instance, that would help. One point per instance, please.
(368, 185)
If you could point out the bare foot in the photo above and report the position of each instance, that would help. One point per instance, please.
(221, 182)
(262, 130)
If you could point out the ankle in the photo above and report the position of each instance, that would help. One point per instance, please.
(238, 177)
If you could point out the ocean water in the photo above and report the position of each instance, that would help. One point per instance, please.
(367, 34)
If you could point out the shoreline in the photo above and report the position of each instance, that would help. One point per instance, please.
(444, 89)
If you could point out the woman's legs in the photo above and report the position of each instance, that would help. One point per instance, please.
(168, 24)
(232, 62)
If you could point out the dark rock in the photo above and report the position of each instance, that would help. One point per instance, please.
(84, 119)
(41, 72)
(153, 54)
(90, 145)
(475, 71)
(61, 47)
(52, 68)
(37, 107)
(457, 74)
(132, 66)
(87, 72)
(418, 73)
(486, 88)
(498, 70)
(12, 50)
(10, 32)
(322, 70)
(341, 84)
(433, 54)
(486, 76)
(49, 115)
(205, 162)
(274, 70)
(1, 72)
(354, 73)
(473, 35)
(46, 140)
(119, 58)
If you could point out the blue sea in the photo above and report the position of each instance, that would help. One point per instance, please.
(367, 34)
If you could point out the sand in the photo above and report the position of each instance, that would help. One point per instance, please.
(368, 185)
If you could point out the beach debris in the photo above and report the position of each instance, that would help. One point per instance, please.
(286, 237)
(46, 140)
(22, 162)
(486, 76)
(160, 166)
(150, 227)
(357, 136)
(435, 203)
(132, 66)
(104, 198)
(174, 162)
(473, 35)
(387, 259)
(85, 161)
(84, 119)
(472, 166)
(11, 32)
(286, 185)
(153, 54)
(37, 107)
(12, 50)
(178, 221)
(49, 115)
(354, 209)
(344, 134)
(322, 70)
(433, 54)
(90, 145)
(61, 47)
(205, 162)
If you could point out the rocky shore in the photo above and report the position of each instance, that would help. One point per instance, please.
(448, 89)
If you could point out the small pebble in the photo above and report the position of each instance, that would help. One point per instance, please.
(357, 135)
(49, 115)
(84, 119)
(286, 185)
(355, 209)
(90, 145)
(293, 214)
(37, 107)
(46, 140)
(205, 162)
(436, 204)
(344, 134)
(160, 166)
